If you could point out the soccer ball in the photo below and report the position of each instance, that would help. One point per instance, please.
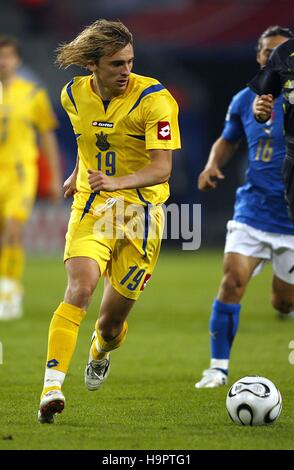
(253, 401)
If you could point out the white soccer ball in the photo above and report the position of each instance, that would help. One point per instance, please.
(253, 401)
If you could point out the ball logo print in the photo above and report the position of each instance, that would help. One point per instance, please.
(163, 129)
(254, 401)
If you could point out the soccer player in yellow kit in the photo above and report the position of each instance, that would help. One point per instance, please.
(126, 127)
(25, 112)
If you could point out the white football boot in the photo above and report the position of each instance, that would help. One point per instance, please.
(212, 378)
(96, 372)
(51, 403)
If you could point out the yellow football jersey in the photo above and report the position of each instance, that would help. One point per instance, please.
(25, 109)
(116, 136)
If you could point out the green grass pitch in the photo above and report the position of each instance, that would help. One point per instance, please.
(149, 400)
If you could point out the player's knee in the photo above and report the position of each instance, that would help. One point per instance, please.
(12, 234)
(109, 327)
(283, 305)
(232, 287)
(79, 293)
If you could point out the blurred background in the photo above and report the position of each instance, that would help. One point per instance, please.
(203, 51)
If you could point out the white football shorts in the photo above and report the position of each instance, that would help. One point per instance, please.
(268, 247)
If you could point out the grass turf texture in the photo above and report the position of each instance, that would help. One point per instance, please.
(149, 400)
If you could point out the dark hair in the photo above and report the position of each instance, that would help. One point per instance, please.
(274, 31)
(12, 42)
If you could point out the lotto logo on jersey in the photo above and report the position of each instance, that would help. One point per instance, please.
(102, 124)
(163, 130)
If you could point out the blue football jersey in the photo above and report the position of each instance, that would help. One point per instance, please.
(260, 201)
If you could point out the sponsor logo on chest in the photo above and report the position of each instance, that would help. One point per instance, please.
(108, 125)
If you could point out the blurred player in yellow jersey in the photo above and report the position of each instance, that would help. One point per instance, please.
(25, 112)
(126, 127)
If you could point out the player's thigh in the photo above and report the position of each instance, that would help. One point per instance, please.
(20, 204)
(83, 274)
(82, 238)
(245, 253)
(134, 259)
(282, 295)
(283, 280)
(129, 271)
(4, 197)
(283, 261)
(114, 307)
(238, 270)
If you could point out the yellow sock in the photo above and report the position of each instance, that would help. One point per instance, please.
(100, 348)
(12, 262)
(63, 334)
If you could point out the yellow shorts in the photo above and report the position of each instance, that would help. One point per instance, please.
(123, 238)
(18, 191)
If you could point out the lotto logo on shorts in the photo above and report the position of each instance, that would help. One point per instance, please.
(163, 130)
(147, 277)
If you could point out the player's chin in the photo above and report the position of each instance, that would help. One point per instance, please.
(121, 86)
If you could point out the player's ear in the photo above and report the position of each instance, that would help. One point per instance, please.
(92, 66)
(258, 58)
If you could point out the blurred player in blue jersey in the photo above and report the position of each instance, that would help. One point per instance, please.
(261, 230)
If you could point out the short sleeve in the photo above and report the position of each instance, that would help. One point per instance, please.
(42, 112)
(160, 113)
(233, 127)
(69, 105)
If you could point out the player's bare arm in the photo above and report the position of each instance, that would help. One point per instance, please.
(221, 152)
(50, 146)
(156, 172)
(69, 186)
(263, 107)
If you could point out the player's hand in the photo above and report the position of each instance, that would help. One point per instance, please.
(101, 182)
(263, 107)
(69, 186)
(208, 178)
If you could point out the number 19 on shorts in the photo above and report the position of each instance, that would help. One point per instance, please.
(134, 277)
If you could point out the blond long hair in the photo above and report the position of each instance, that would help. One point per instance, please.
(101, 38)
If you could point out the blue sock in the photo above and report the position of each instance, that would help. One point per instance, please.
(223, 325)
